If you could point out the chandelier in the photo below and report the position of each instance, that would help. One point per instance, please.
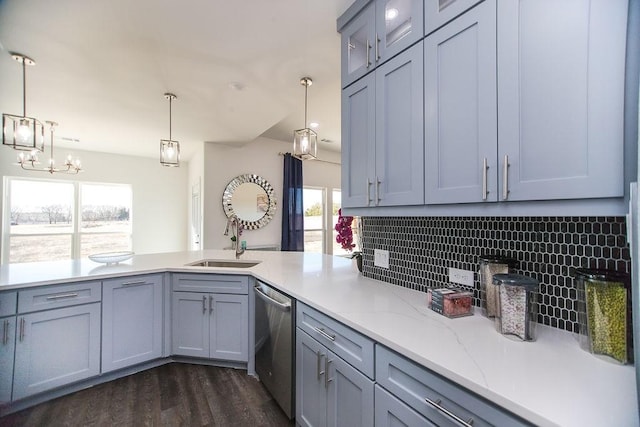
(169, 149)
(22, 132)
(30, 162)
(305, 141)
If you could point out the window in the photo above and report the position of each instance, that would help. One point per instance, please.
(41, 219)
(314, 207)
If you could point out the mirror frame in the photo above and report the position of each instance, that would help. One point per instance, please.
(253, 179)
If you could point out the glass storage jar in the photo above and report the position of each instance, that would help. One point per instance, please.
(517, 308)
(490, 265)
(604, 313)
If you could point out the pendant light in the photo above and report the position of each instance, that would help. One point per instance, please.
(169, 149)
(22, 132)
(30, 162)
(305, 141)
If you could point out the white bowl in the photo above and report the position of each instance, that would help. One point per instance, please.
(111, 257)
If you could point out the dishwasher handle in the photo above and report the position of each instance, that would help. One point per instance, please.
(268, 299)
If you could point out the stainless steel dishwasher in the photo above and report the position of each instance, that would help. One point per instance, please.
(275, 344)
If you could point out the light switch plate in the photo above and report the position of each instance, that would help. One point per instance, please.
(381, 258)
(463, 277)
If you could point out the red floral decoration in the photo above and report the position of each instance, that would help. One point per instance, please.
(345, 233)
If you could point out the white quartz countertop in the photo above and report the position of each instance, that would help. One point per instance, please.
(549, 382)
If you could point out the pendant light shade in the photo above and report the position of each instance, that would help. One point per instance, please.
(305, 140)
(169, 149)
(22, 132)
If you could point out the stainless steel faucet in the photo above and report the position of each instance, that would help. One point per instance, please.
(233, 219)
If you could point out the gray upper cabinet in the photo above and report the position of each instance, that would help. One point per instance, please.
(132, 319)
(383, 147)
(378, 32)
(358, 142)
(439, 12)
(561, 67)
(460, 109)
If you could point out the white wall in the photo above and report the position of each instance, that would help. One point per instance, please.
(160, 202)
(223, 163)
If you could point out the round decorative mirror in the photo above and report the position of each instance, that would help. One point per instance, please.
(251, 198)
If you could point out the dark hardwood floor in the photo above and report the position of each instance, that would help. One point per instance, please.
(176, 394)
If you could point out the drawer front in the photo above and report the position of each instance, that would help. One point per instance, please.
(216, 283)
(346, 343)
(56, 296)
(148, 279)
(390, 411)
(416, 385)
(8, 303)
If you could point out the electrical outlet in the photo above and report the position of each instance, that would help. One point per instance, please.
(381, 258)
(463, 277)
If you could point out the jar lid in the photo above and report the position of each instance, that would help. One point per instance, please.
(601, 274)
(515, 280)
(499, 259)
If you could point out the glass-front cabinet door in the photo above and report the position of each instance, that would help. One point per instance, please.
(439, 12)
(399, 24)
(357, 40)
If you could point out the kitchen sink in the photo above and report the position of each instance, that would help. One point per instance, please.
(229, 263)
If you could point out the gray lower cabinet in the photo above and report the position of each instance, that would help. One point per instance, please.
(210, 325)
(329, 391)
(392, 412)
(132, 319)
(7, 348)
(56, 347)
(433, 397)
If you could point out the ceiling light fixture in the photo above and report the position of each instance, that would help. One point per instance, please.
(22, 132)
(169, 149)
(305, 141)
(30, 161)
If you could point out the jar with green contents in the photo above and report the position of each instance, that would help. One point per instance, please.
(604, 313)
(489, 266)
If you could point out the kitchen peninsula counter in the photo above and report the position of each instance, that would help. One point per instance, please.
(548, 382)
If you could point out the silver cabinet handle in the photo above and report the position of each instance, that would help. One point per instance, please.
(377, 47)
(449, 414)
(368, 192)
(204, 304)
(322, 332)
(327, 362)
(505, 178)
(5, 336)
(318, 364)
(210, 304)
(133, 282)
(61, 296)
(22, 329)
(485, 168)
(368, 52)
(378, 182)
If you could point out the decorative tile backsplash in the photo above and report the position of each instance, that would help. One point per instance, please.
(421, 249)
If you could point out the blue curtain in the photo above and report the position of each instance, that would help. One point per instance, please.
(292, 211)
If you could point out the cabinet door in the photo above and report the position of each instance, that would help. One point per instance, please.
(560, 98)
(439, 12)
(131, 321)
(190, 320)
(392, 412)
(229, 331)
(460, 109)
(357, 42)
(311, 392)
(349, 394)
(399, 130)
(358, 142)
(399, 24)
(7, 347)
(55, 348)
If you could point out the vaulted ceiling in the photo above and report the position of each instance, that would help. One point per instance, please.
(102, 68)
